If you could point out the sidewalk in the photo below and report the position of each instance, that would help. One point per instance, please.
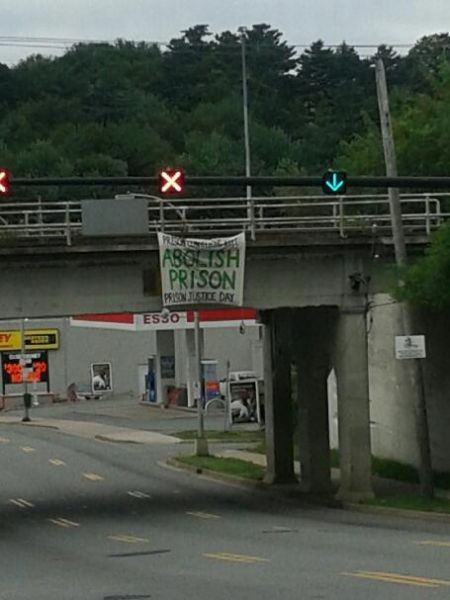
(92, 430)
(382, 487)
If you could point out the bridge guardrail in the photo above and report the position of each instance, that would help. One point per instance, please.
(341, 216)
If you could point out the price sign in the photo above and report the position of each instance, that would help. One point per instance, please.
(33, 366)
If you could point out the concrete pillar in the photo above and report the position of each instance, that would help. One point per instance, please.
(314, 330)
(278, 403)
(351, 365)
(313, 432)
(164, 347)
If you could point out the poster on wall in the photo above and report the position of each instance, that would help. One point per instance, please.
(244, 402)
(101, 377)
(196, 271)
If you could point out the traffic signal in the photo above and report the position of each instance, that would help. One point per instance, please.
(334, 182)
(171, 181)
(5, 185)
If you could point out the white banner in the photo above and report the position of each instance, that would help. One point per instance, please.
(202, 271)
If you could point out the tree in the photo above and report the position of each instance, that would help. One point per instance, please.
(421, 124)
(426, 281)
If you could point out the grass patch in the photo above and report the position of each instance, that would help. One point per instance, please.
(392, 469)
(229, 466)
(413, 503)
(225, 436)
(383, 467)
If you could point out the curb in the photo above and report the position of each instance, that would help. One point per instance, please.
(286, 493)
(297, 495)
(216, 440)
(208, 473)
(397, 512)
(30, 424)
(105, 438)
(162, 408)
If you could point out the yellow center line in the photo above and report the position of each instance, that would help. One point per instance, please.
(243, 558)
(59, 523)
(71, 523)
(93, 476)
(391, 579)
(434, 543)
(128, 539)
(202, 515)
(408, 577)
(28, 449)
(21, 502)
(57, 462)
(64, 522)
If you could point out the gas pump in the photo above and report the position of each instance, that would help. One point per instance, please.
(150, 380)
(210, 382)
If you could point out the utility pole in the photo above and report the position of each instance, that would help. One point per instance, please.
(250, 210)
(415, 366)
(24, 371)
(201, 443)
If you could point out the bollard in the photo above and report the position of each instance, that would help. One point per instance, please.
(27, 398)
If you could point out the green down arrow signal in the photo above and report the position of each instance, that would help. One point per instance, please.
(334, 182)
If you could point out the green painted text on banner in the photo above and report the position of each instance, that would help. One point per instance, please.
(202, 271)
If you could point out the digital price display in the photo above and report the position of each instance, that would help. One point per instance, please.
(35, 367)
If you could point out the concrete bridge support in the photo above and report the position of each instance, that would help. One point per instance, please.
(351, 365)
(313, 331)
(317, 339)
(278, 400)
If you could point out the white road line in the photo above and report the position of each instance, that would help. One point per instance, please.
(138, 494)
(127, 539)
(202, 515)
(93, 476)
(57, 462)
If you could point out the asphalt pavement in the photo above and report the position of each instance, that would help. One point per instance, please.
(82, 518)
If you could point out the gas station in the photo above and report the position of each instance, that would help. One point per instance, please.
(149, 355)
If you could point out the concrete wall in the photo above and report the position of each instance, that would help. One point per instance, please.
(391, 407)
(244, 351)
(77, 281)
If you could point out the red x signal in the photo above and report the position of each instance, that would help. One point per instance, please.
(171, 181)
(4, 182)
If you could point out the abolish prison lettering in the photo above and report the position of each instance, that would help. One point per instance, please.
(213, 269)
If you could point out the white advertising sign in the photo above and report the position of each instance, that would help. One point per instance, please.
(202, 271)
(409, 346)
(159, 320)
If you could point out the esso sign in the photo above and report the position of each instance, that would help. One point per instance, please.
(168, 320)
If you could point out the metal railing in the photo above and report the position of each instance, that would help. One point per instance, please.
(340, 216)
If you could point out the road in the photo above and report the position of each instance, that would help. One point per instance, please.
(86, 519)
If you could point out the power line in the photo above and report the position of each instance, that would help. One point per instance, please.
(41, 41)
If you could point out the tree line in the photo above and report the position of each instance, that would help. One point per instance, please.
(130, 108)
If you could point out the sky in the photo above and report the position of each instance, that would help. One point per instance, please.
(301, 21)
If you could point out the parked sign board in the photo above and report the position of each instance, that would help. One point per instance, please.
(197, 271)
(245, 404)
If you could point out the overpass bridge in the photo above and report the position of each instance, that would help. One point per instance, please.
(312, 265)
